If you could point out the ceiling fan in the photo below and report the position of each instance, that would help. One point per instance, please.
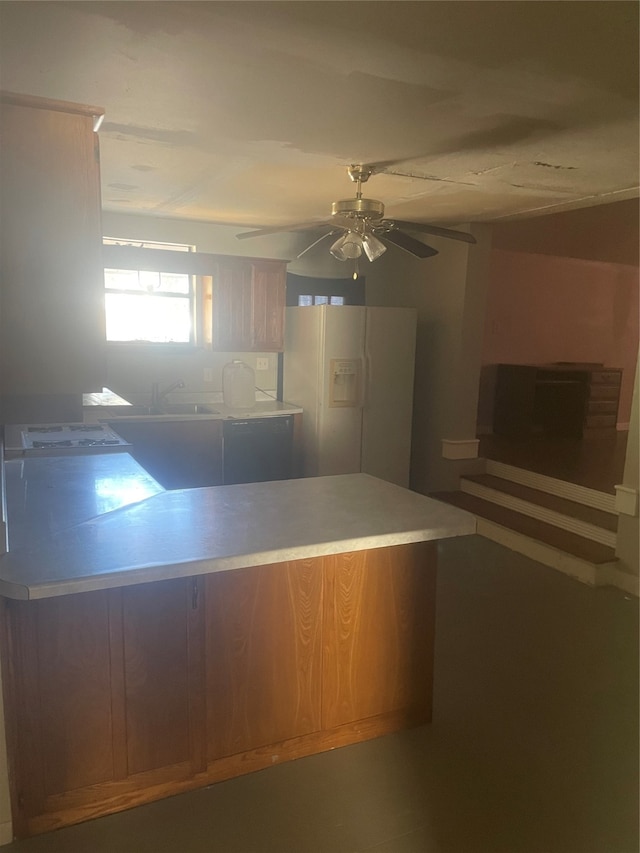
(363, 228)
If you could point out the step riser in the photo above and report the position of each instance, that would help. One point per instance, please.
(574, 567)
(549, 516)
(570, 491)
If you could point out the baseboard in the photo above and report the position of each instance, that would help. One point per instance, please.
(626, 500)
(606, 574)
(610, 575)
(574, 567)
(103, 799)
(6, 833)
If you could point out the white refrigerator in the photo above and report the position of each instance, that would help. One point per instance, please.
(351, 370)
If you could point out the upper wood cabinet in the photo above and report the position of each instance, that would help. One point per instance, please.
(248, 305)
(51, 273)
(248, 294)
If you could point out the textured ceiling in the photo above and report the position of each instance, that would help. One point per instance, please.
(248, 113)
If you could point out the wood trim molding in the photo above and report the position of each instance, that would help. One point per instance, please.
(76, 809)
(37, 103)
(626, 500)
(460, 449)
(167, 260)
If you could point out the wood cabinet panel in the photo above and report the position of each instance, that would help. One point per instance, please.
(75, 689)
(178, 454)
(378, 624)
(156, 673)
(248, 299)
(123, 696)
(64, 693)
(52, 324)
(263, 651)
(231, 306)
(268, 298)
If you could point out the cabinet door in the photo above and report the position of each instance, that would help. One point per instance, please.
(248, 299)
(231, 306)
(162, 692)
(104, 699)
(52, 323)
(378, 626)
(58, 674)
(262, 653)
(62, 698)
(268, 297)
(178, 454)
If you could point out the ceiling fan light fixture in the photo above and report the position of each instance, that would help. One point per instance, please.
(373, 247)
(348, 246)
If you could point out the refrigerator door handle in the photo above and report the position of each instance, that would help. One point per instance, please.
(366, 380)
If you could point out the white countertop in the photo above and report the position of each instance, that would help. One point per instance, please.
(107, 406)
(195, 531)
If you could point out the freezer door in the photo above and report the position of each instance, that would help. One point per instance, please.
(390, 351)
(340, 426)
(302, 376)
(316, 337)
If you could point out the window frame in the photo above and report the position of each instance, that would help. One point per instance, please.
(193, 297)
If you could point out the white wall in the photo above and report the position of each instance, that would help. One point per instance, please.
(449, 292)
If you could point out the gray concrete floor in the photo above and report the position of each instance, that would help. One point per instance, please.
(533, 745)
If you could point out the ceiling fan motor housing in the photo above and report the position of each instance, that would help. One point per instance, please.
(358, 208)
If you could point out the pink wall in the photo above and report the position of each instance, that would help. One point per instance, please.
(542, 308)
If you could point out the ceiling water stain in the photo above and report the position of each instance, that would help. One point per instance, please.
(552, 165)
(142, 168)
(504, 131)
(125, 187)
(154, 134)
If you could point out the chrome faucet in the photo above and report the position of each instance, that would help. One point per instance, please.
(157, 396)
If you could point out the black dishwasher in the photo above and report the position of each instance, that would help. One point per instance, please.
(257, 449)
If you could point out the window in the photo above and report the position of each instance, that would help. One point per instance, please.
(149, 307)
(320, 300)
(308, 290)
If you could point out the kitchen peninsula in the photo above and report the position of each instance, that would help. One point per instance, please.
(157, 641)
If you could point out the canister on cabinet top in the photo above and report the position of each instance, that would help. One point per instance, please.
(238, 385)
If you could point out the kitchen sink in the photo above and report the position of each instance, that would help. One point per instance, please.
(166, 409)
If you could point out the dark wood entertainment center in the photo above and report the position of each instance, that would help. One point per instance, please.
(556, 399)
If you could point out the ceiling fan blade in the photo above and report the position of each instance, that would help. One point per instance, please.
(277, 229)
(319, 240)
(435, 230)
(409, 244)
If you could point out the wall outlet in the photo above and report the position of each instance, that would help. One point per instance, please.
(208, 374)
(262, 364)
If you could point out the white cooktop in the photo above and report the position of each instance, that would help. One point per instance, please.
(66, 436)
